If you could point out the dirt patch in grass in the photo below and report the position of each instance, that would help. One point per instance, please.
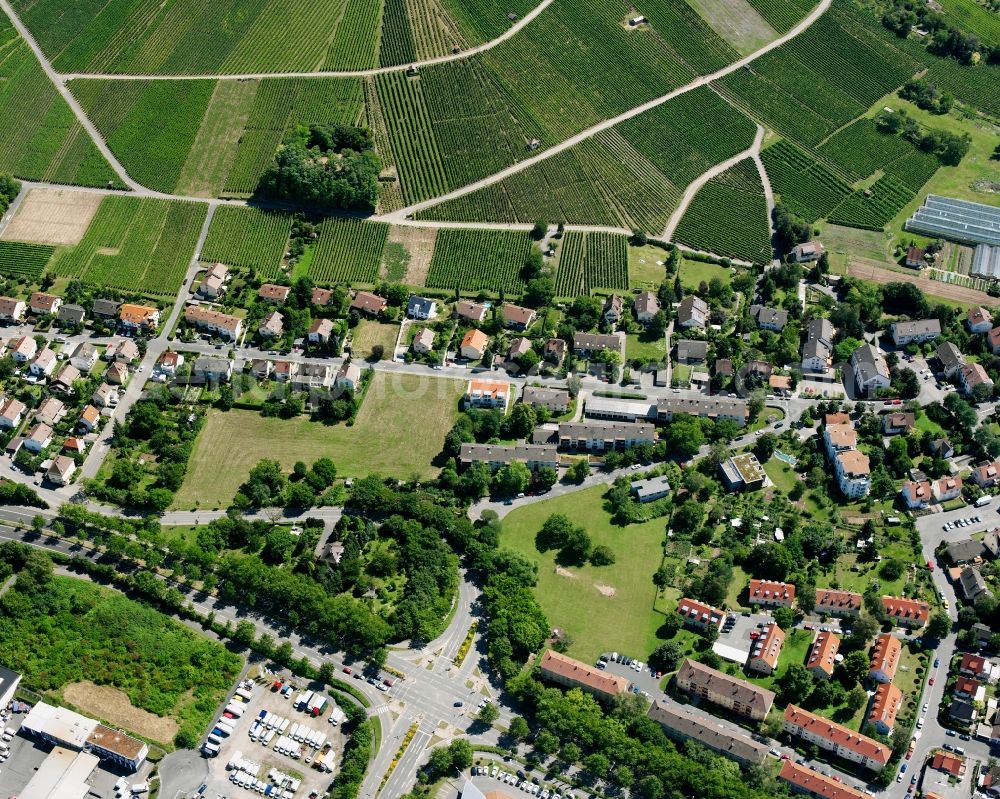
(53, 216)
(419, 243)
(565, 572)
(114, 706)
(605, 590)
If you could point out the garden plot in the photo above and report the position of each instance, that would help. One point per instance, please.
(53, 216)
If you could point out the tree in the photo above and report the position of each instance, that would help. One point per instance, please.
(765, 446)
(488, 714)
(666, 656)
(602, 555)
(519, 728)
(784, 618)
(857, 697)
(245, 632)
(939, 625)
(540, 228)
(855, 666)
(685, 436)
(512, 479)
(546, 477)
(578, 471)
(796, 684)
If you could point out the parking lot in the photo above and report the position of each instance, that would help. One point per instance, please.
(509, 779)
(274, 756)
(931, 526)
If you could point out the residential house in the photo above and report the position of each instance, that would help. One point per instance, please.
(271, 326)
(105, 397)
(619, 410)
(473, 345)
(769, 318)
(309, 376)
(64, 379)
(519, 347)
(979, 320)
(836, 418)
(12, 310)
(589, 343)
(950, 357)
(683, 723)
(832, 737)
(692, 312)
(566, 671)
(967, 550)
(285, 370)
(51, 411)
(715, 408)
(213, 284)
(170, 361)
(105, 309)
(942, 447)
(991, 540)
(975, 666)
(534, 456)
(853, 473)
(906, 612)
(554, 350)
(11, 413)
(139, 317)
(972, 375)
(692, 351)
(215, 322)
(44, 304)
(885, 705)
(967, 688)
(823, 655)
(948, 762)
(650, 489)
(349, 376)
(272, 292)
(914, 331)
(986, 474)
(487, 393)
(44, 363)
(731, 693)
(423, 341)
(23, 349)
(470, 311)
(117, 374)
(834, 602)
(963, 712)
(916, 494)
(61, 470)
(38, 437)
(75, 445)
(871, 372)
(817, 351)
(261, 368)
(771, 594)
(71, 315)
(320, 297)
(646, 306)
(724, 367)
(320, 331)
(122, 349)
(612, 310)
(898, 423)
(555, 400)
(699, 614)
(765, 650)
(993, 340)
(84, 357)
(90, 418)
(972, 584)
(981, 633)
(780, 385)
(604, 436)
(805, 252)
(212, 369)
(817, 785)
(885, 658)
(367, 303)
(516, 317)
(915, 257)
(421, 308)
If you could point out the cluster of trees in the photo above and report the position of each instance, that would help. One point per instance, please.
(357, 753)
(947, 41)
(927, 96)
(9, 189)
(328, 167)
(949, 147)
(572, 542)
(268, 486)
(12, 493)
(789, 229)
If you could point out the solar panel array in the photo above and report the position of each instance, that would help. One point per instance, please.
(958, 220)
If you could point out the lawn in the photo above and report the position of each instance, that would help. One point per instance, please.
(573, 599)
(381, 440)
(646, 266)
(367, 334)
(797, 643)
(782, 475)
(694, 272)
(638, 347)
(843, 244)
(927, 425)
(767, 416)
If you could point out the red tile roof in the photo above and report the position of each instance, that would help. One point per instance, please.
(566, 668)
(885, 655)
(771, 591)
(812, 782)
(903, 609)
(822, 653)
(842, 736)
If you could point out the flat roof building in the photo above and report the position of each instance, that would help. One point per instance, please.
(62, 775)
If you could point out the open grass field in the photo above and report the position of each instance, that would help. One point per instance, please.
(646, 266)
(693, 273)
(407, 254)
(738, 22)
(641, 347)
(380, 441)
(40, 138)
(577, 599)
(76, 636)
(368, 334)
(135, 244)
(53, 216)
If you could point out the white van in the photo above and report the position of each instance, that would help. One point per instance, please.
(140, 787)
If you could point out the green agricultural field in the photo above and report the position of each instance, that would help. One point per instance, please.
(572, 599)
(474, 260)
(782, 14)
(801, 183)
(135, 244)
(75, 631)
(348, 250)
(380, 441)
(591, 261)
(24, 261)
(253, 238)
(728, 216)
(40, 138)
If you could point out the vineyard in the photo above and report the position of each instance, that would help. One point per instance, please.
(252, 238)
(483, 20)
(874, 208)
(782, 14)
(728, 216)
(40, 139)
(397, 40)
(590, 261)
(140, 245)
(23, 261)
(348, 250)
(861, 149)
(805, 186)
(479, 260)
(356, 43)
